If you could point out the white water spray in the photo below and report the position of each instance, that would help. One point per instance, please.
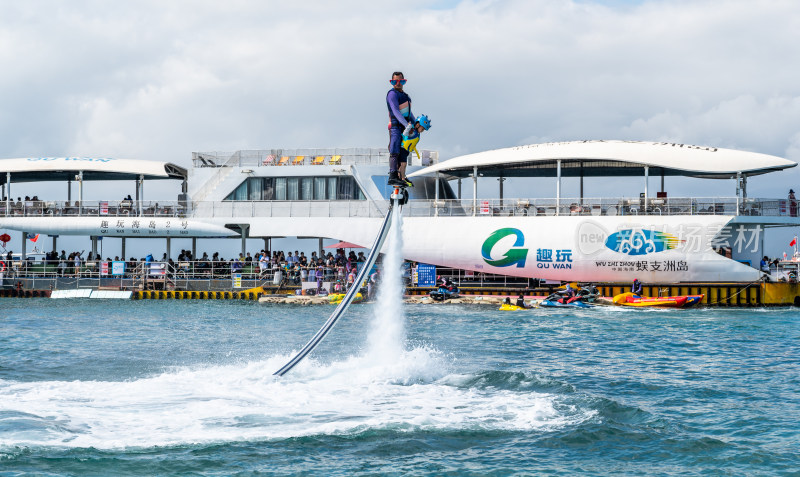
(387, 334)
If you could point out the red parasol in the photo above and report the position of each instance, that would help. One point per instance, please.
(344, 245)
(5, 238)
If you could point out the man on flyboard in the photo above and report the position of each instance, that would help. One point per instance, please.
(404, 130)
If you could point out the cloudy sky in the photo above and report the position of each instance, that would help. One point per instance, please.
(158, 80)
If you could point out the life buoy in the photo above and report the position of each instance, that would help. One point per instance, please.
(2, 266)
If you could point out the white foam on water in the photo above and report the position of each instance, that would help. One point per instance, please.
(246, 402)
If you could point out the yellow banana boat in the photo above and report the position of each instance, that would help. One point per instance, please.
(681, 301)
(336, 298)
(506, 307)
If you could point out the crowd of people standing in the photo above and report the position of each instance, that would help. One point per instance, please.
(294, 266)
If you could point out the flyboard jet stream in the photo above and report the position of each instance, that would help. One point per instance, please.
(399, 197)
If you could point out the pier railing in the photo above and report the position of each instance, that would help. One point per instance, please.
(416, 208)
(603, 207)
(105, 208)
(302, 157)
(202, 209)
(289, 208)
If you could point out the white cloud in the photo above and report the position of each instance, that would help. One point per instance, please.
(159, 80)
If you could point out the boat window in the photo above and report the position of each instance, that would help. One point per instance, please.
(307, 188)
(269, 189)
(255, 188)
(298, 188)
(331, 188)
(241, 192)
(292, 188)
(344, 189)
(319, 188)
(280, 188)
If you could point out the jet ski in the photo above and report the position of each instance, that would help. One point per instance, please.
(444, 293)
(588, 293)
(562, 300)
(548, 303)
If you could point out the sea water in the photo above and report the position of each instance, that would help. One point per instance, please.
(108, 387)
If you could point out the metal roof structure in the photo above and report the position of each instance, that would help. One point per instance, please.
(39, 169)
(610, 158)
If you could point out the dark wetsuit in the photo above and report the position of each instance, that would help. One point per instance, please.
(636, 288)
(399, 105)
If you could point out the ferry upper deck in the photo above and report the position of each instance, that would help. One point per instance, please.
(351, 183)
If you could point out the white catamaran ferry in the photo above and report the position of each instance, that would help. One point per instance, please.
(342, 194)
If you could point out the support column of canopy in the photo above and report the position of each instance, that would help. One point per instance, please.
(182, 198)
(558, 185)
(194, 248)
(459, 188)
(646, 181)
(8, 193)
(24, 253)
(80, 192)
(581, 192)
(94, 246)
(741, 185)
(474, 190)
(169, 248)
(55, 246)
(319, 248)
(436, 196)
(69, 190)
(741, 191)
(244, 228)
(140, 193)
(123, 249)
(501, 179)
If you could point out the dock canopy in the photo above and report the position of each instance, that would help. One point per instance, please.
(51, 169)
(596, 158)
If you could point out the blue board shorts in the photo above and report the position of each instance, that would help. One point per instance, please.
(396, 145)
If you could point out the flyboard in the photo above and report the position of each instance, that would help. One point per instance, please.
(399, 197)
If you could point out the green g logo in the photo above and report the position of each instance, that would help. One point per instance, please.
(515, 255)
